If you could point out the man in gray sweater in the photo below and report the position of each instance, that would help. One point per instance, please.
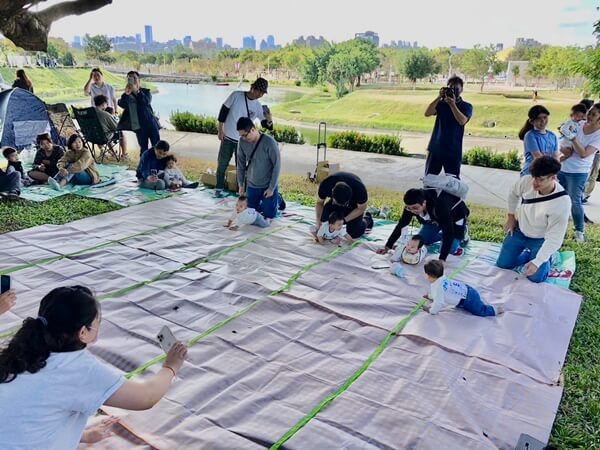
(258, 167)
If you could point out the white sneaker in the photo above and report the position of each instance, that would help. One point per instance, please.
(579, 237)
(54, 184)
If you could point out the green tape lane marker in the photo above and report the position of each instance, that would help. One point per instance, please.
(362, 369)
(39, 262)
(287, 286)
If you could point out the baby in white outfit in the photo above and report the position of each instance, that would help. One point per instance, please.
(242, 215)
(332, 231)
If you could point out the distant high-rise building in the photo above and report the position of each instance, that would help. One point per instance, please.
(310, 41)
(138, 38)
(370, 36)
(263, 45)
(499, 47)
(527, 42)
(187, 41)
(249, 42)
(148, 34)
(76, 41)
(271, 41)
(219, 43)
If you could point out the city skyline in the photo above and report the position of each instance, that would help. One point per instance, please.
(568, 23)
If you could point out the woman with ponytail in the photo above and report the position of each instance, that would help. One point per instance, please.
(537, 141)
(50, 384)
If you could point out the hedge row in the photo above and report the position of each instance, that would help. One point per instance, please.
(359, 142)
(486, 157)
(186, 121)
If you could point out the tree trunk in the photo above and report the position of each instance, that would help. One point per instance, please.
(482, 83)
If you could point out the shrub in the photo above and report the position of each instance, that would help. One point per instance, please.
(486, 157)
(186, 121)
(287, 134)
(359, 142)
(298, 83)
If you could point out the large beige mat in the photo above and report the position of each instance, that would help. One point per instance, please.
(290, 341)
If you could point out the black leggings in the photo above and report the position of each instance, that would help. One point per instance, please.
(449, 162)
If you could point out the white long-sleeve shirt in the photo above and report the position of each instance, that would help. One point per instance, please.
(446, 292)
(246, 217)
(324, 232)
(547, 220)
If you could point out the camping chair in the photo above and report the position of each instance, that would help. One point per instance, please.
(61, 118)
(93, 134)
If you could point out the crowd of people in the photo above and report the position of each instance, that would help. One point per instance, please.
(49, 352)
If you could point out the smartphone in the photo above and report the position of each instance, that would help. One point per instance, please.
(131, 80)
(266, 109)
(4, 283)
(166, 339)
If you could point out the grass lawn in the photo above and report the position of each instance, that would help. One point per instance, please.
(578, 421)
(63, 84)
(402, 109)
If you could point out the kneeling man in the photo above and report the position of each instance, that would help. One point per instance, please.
(538, 214)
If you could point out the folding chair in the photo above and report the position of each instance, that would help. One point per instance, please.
(61, 118)
(93, 134)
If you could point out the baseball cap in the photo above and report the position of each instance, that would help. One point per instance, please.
(261, 84)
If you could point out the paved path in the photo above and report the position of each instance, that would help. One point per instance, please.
(487, 186)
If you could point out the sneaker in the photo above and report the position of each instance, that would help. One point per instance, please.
(282, 204)
(459, 252)
(54, 184)
(579, 237)
(466, 237)
(584, 200)
(385, 212)
(587, 220)
(499, 310)
(10, 195)
(219, 193)
(193, 185)
(369, 219)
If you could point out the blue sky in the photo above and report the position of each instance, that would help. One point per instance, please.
(430, 22)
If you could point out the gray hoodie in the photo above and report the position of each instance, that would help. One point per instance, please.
(264, 169)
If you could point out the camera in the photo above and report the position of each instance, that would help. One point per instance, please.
(449, 92)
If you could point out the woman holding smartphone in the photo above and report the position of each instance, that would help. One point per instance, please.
(53, 383)
(138, 115)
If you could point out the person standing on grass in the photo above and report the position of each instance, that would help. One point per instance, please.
(579, 156)
(138, 115)
(239, 104)
(96, 86)
(258, 168)
(345, 193)
(538, 215)
(537, 141)
(452, 114)
(591, 182)
(53, 383)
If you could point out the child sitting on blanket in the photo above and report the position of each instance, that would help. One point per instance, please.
(332, 231)
(446, 292)
(410, 251)
(14, 165)
(173, 177)
(242, 215)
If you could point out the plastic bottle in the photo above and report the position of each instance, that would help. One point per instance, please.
(397, 269)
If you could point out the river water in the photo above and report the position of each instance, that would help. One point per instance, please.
(205, 99)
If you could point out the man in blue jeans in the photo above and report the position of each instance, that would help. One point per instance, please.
(258, 167)
(443, 218)
(536, 227)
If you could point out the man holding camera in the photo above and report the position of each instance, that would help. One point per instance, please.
(452, 114)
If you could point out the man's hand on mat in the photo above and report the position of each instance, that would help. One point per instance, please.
(426, 308)
(100, 431)
(383, 251)
(7, 301)
(176, 356)
(234, 228)
(268, 193)
(530, 269)
(510, 224)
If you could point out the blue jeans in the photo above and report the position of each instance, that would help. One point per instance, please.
(81, 178)
(574, 184)
(518, 249)
(147, 132)
(431, 232)
(475, 305)
(257, 200)
(261, 221)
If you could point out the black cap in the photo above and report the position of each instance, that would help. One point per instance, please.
(261, 84)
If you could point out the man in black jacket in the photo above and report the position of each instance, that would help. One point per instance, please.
(443, 217)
